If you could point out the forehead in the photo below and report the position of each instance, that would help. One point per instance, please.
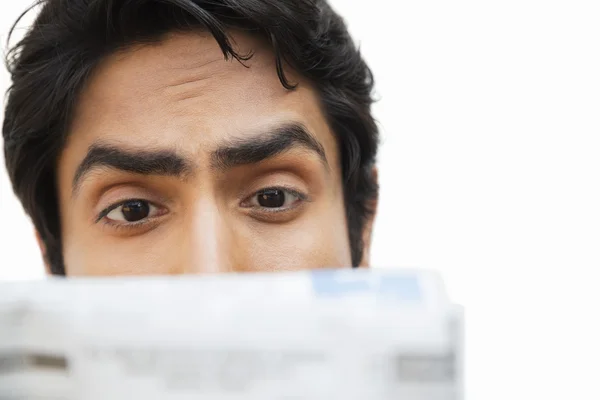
(182, 92)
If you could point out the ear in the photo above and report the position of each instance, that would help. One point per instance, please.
(368, 228)
(42, 247)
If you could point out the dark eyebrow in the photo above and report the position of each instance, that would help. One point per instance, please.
(255, 149)
(143, 162)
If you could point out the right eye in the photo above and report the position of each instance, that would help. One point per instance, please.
(130, 211)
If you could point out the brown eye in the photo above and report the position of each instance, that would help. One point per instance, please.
(131, 211)
(275, 199)
(271, 198)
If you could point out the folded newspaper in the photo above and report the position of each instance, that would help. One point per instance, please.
(343, 334)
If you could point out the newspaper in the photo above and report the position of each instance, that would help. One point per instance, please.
(336, 334)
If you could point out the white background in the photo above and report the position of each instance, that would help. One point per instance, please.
(489, 170)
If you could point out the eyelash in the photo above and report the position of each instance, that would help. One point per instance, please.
(123, 226)
(288, 190)
(112, 207)
(128, 225)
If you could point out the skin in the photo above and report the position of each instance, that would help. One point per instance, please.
(180, 98)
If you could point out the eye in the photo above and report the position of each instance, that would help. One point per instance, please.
(130, 211)
(275, 199)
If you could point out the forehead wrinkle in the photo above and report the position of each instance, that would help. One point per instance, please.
(187, 83)
(168, 65)
(197, 74)
(189, 74)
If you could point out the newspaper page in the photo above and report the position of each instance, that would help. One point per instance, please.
(339, 334)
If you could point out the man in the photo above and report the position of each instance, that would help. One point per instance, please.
(192, 136)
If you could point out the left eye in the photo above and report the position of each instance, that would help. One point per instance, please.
(132, 211)
(274, 198)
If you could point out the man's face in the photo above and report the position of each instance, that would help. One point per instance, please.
(181, 162)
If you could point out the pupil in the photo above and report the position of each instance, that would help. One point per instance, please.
(135, 210)
(271, 198)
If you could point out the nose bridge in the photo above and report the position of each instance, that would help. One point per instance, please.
(208, 240)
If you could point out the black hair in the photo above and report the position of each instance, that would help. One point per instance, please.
(69, 38)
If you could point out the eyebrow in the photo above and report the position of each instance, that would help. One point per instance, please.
(143, 162)
(236, 152)
(253, 150)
